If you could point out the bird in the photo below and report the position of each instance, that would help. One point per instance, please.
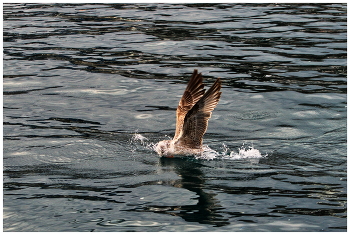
(192, 115)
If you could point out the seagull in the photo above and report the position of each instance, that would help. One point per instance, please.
(192, 116)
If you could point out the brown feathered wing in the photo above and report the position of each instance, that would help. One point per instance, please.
(196, 119)
(194, 91)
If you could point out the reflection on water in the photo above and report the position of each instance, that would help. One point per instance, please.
(192, 178)
(81, 79)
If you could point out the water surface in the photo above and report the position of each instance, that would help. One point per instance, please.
(80, 80)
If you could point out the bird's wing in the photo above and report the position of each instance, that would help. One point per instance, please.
(196, 120)
(194, 91)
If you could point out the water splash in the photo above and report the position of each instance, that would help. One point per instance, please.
(249, 152)
(138, 137)
(244, 152)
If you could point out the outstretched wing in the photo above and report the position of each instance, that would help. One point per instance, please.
(194, 91)
(196, 120)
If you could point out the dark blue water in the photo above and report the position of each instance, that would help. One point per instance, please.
(84, 83)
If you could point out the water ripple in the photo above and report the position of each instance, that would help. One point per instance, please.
(81, 79)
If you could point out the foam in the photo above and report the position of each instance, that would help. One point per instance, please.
(244, 152)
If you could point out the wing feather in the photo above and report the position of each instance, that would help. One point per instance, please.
(196, 120)
(193, 92)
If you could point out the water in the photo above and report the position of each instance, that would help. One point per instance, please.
(88, 88)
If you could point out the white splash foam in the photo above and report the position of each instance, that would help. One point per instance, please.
(138, 137)
(249, 152)
(143, 141)
(243, 153)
